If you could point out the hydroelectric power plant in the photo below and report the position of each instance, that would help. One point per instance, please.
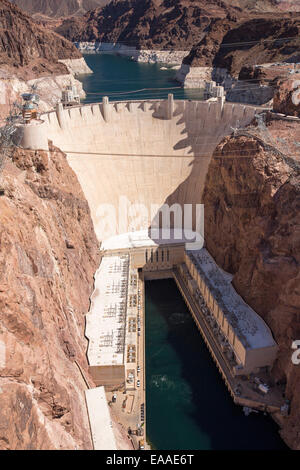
(134, 160)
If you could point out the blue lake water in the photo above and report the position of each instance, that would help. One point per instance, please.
(120, 78)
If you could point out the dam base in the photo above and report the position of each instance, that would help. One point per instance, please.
(238, 340)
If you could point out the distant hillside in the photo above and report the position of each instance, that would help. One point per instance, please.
(28, 49)
(58, 8)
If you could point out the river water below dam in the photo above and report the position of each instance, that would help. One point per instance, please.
(120, 78)
(188, 404)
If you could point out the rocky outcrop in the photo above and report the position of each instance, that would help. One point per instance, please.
(48, 88)
(195, 77)
(269, 5)
(203, 53)
(147, 24)
(32, 55)
(76, 66)
(147, 56)
(252, 219)
(48, 256)
(63, 8)
(287, 96)
(268, 40)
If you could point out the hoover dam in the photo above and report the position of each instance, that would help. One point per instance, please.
(132, 159)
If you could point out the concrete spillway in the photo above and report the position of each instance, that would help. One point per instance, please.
(149, 152)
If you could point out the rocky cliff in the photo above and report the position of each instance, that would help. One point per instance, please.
(58, 8)
(268, 6)
(48, 256)
(252, 220)
(287, 96)
(234, 43)
(147, 24)
(28, 49)
(218, 34)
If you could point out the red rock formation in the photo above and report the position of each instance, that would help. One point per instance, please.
(58, 8)
(48, 256)
(214, 31)
(235, 43)
(30, 50)
(252, 220)
(287, 96)
(203, 53)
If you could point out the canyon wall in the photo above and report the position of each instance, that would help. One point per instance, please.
(28, 49)
(34, 55)
(252, 221)
(160, 152)
(48, 256)
(152, 24)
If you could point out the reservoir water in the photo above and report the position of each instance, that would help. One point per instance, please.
(188, 404)
(120, 78)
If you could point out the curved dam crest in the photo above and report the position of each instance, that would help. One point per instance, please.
(143, 151)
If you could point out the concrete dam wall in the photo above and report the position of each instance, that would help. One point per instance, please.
(146, 152)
